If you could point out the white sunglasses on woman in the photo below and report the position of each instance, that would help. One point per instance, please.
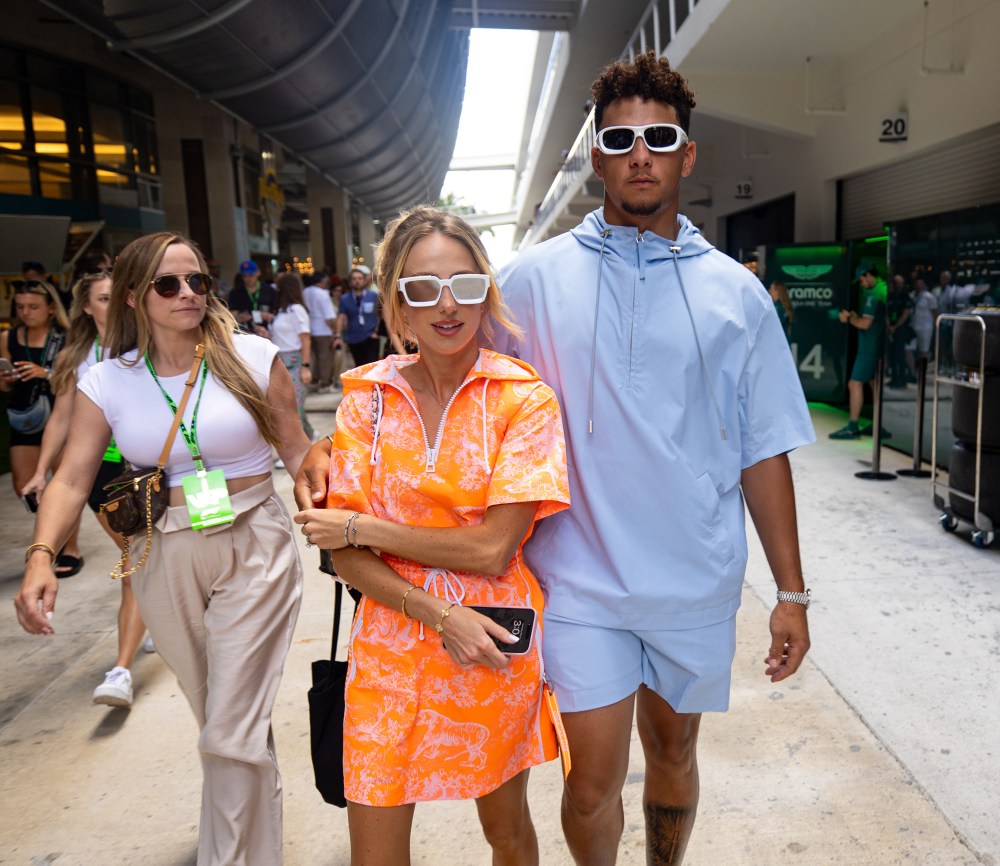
(426, 291)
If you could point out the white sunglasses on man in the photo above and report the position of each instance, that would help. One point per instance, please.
(659, 138)
(426, 291)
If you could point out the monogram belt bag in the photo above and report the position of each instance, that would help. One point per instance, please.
(137, 498)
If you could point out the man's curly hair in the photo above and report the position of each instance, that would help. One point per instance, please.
(648, 77)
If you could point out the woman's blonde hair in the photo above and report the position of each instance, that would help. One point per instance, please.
(45, 288)
(128, 327)
(81, 335)
(402, 233)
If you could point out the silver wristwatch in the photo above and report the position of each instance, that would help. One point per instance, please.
(798, 597)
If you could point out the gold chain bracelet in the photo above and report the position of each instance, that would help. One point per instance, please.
(444, 615)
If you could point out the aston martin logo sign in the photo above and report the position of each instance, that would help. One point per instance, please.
(807, 273)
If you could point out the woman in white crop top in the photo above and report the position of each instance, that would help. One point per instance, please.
(220, 601)
(85, 346)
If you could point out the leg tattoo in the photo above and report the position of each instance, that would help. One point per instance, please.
(668, 829)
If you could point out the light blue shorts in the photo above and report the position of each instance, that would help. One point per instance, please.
(591, 667)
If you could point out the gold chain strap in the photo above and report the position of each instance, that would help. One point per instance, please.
(116, 572)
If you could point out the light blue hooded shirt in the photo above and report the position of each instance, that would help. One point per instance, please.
(673, 375)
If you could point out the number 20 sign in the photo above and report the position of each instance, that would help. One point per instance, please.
(894, 128)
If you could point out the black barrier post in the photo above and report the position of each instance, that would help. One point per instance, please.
(918, 426)
(874, 474)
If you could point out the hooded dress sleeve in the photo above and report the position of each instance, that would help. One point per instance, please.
(350, 467)
(531, 463)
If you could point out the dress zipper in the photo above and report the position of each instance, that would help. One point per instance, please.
(432, 453)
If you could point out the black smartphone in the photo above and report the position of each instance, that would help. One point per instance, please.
(30, 502)
(519, 621)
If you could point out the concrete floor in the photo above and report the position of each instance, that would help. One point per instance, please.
(882, 750)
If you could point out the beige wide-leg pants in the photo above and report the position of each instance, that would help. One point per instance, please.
(220, 605)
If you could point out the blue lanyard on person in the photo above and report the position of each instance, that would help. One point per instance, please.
(205, 493)
(111, 454)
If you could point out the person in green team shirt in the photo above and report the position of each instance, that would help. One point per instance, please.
(871, 324)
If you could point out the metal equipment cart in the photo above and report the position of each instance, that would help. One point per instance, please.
(983, 533)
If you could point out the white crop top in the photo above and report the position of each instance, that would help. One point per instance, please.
(140, 418)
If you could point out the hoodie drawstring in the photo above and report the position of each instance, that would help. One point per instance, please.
(454, 591)
(605, 234)
(704, 365)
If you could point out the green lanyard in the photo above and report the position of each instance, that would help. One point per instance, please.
(190, 439)
(254, 298)
(111, 453)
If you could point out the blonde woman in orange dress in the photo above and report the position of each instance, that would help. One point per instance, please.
(442, 462)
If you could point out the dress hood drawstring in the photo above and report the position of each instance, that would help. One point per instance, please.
(482, 403)
(377, 406)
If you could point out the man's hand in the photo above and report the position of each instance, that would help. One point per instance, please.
(311, 481)
(789, 640)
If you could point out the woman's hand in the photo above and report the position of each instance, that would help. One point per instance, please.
(306, 374)
(468, 638)
(25, 370)
(36, 601)
(324, 527)
(36, 484)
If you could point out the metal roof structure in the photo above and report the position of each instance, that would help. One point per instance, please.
(368, 92)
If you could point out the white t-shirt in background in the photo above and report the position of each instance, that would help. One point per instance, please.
(288, 326)
(320, 310)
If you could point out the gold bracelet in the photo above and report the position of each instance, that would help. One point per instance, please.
(402, 606)
(31, 548)
(444, 615)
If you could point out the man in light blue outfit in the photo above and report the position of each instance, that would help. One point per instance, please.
(680, 399)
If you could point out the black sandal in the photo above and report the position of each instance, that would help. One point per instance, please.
(70, 564)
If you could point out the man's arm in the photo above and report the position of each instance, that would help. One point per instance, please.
(862, 323)
(311, 480)
(770, 497)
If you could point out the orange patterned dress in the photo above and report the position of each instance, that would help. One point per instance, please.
(418, 726)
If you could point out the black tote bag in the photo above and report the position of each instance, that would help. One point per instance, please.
(326, 716)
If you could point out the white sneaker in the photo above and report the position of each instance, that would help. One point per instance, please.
(147, 644)
(116, 690)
